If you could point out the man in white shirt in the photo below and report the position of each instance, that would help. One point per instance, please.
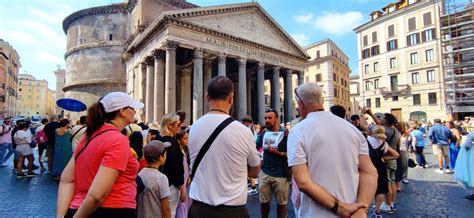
(219, 186)
(330, 160)
(78, 131)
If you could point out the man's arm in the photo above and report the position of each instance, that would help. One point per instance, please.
(320, 195)
(367, 183)
(376, 120)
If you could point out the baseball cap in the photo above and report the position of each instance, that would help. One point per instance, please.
(153, 150)
(115, 101)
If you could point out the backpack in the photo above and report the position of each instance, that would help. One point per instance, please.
(41, 137)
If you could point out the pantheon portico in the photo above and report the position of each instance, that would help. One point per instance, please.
(169, 64)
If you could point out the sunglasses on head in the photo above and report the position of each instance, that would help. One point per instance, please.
(298, 96)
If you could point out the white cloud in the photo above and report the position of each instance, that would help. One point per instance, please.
(46, 34)
(18, 37)
(47, 57)
(300, 38)
(304, 18)
(338, 23)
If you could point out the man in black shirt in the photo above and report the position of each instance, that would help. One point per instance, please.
(50, 131)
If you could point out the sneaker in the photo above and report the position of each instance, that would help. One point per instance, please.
(440, 171)
(425, 166)
(20, 176)
(470, 197)
(31, 174)
(417, 166)
(42, 169)
(386, 209)
(252, 191)
(448, 171)
(393, 207)
(377, 214)
(406, 181)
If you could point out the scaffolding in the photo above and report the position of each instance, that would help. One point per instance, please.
(457, 44)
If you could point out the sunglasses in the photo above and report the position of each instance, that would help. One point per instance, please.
(298, 96)
(272, 111)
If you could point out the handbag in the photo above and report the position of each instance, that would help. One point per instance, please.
(33, 143)
(411, 163)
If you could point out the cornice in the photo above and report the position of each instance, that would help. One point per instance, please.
(93, 45)
(109, 9)
(172, 18)
(76, 85)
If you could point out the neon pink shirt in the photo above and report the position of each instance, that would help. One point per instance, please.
(110, 149)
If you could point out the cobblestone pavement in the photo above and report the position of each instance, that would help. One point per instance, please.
(428, 195)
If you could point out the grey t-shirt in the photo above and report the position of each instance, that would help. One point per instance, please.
(393, 137)
(156, 188)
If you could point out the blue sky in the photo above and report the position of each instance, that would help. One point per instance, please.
(34, 27)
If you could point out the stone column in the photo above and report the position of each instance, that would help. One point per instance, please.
(186, 92)
(159, 91)
(276, 89)
(149, 89)
(288, 102)
(261, 92)
(221, 66)
(197, 85)
(207, 77)
(300, 77)
(142, 88)
(242, 88)
(170, 77)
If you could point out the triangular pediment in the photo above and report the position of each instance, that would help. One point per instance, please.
(247, 21)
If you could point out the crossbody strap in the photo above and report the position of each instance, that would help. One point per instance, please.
(208, 144)
(70, 139)
(89, 140)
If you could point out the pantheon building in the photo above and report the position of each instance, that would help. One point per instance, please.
(164, 52)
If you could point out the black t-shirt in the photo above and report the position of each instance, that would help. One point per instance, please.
(50, 131)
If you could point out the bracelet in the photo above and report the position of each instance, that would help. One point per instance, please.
(336, 205)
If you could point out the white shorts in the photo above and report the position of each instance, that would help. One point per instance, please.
(24, 150)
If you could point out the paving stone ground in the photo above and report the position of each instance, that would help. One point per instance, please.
(428, 195)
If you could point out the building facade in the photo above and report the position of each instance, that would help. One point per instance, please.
(354, 87)
(173, 48)
(60, 75)
(35, 98)
(400, 61)
(328, 66)
(9, 69)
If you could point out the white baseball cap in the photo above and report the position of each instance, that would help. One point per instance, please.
(115, 101)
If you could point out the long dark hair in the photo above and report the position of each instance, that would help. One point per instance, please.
(96, 117)
(136, 143)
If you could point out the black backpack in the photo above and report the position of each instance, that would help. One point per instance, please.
(376, 155)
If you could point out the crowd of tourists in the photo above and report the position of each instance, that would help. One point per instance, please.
(108, 165)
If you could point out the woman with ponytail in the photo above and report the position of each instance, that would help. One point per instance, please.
(99, 180)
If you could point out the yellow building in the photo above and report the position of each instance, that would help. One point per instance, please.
(35, 98)
(399, 61)
(9, 68)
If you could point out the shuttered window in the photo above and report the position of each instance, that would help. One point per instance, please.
(411, 24)
(365, 41)
(391, 31)
(427, 19)
(374, 37)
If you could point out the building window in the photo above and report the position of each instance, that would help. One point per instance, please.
(317, 54)
(414, 58)
(376, 67)
(411, 24)
(416, 99)
(365, 53)
(375, 50)
(365, 41)
(366, 69)
(391, 31)
(335, 92)
(395, 98)
(430, 75)
(376, 83)
(342, 81)
(432, 98)
(413, 39)
(392, 45)
(110, 37)
(429, 55)
(415, 78)
(368, 103)
(318, 78)
(377, 102)
(427, 19)
(394, 83)
(428, 35)
(367, 85)
(393, 63)
(374, 37)
(334, 77)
